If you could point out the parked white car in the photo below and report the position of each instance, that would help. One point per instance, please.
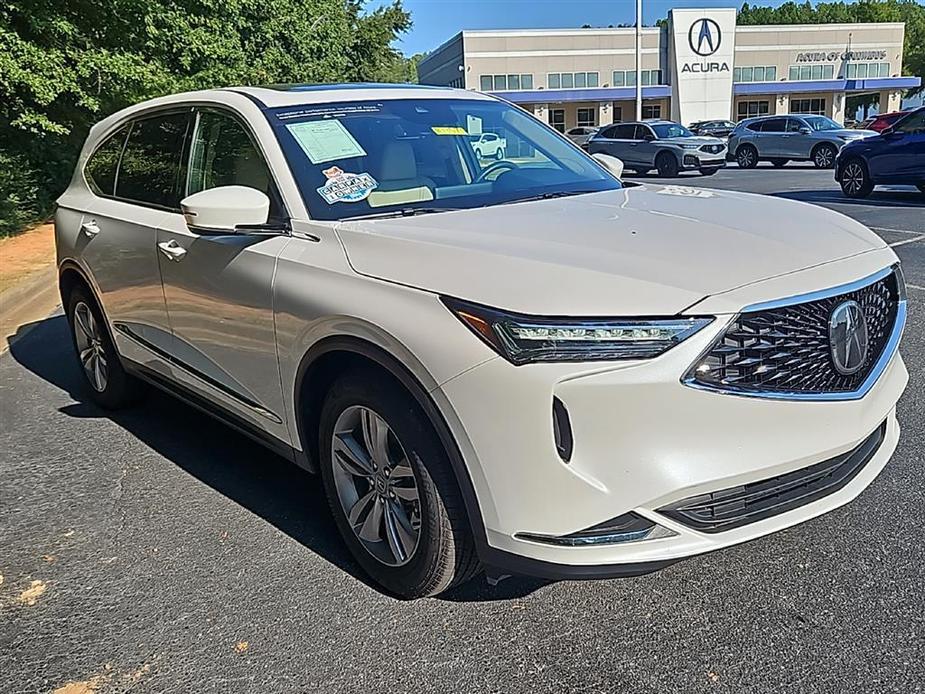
(516, 365)
(488, 145)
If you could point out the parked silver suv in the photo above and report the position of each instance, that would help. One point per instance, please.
(780, 139)
(662, 145)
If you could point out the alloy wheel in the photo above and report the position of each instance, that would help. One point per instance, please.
(376, 486)
(746, 157)
(89, 338)
(852, 178)
(825, 157)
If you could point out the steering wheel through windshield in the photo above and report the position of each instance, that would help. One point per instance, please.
(498, 166)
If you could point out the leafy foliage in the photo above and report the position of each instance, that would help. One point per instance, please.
(912, 12)
(65, 64)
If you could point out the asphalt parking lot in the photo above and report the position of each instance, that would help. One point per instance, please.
(157, 551)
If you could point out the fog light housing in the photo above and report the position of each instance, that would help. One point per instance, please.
(629, 527)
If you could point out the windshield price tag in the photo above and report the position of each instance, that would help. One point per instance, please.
(346, 187)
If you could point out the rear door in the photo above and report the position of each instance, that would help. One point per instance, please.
(770, 139)
(120, 230)
(219, 286)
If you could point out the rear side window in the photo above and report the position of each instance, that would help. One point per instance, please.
(103, 164)
(774, 125)
(150, 168)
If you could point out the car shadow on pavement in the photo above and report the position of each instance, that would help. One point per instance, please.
(275, 489)
(879, 198)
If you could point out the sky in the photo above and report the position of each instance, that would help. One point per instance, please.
(437, 20)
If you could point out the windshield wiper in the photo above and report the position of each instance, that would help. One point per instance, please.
(405, 212)
(550, 196)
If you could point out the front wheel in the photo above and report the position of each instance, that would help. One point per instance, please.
(499, 154)
(391, 487)
(824, 156)
(747, 157)
(855, 180)
(667, 165)
(109, 385)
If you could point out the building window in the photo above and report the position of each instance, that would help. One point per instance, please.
(627, 78)
(750, 109)
(617, 114)
(761, 73)
(568, 80)
(812, 72)
(557, 119)
(587, 117)
(814, 107)
(651, 111)
(860, 71)
(500, 83)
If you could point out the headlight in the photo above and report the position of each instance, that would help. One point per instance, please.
(690, 146)
(524, 339)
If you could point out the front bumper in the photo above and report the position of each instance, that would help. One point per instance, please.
(699, 160)
(643, 441)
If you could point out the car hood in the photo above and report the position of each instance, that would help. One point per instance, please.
(646, 250)
(698, 140)
(852, 133)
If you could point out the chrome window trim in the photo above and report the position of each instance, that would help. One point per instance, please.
(886, 357)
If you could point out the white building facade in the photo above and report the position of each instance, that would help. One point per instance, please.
(701, 66)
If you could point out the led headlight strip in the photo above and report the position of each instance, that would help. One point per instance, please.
(523, 339)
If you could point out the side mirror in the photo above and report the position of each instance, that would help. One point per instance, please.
(225, 207)
(613, 165)
(805, 131)
(887, 131)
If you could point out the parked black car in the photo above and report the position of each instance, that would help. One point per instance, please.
(713, 128)
(894, 157)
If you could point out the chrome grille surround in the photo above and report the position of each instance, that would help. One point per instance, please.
(781, 350)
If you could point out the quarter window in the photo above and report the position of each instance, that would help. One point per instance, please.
(150, 168)
(103, 164)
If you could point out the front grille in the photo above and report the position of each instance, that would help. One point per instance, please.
(787, 349)
(737, 506)
(713, 149)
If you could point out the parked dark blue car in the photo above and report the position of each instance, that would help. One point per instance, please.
(894, 157)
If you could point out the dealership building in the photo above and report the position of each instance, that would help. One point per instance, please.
(701, 66)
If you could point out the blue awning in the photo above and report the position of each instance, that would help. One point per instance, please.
(555, 96)
(797, 86)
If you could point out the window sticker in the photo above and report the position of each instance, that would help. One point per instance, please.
(325, 140)
(449, 130)
(346, 187)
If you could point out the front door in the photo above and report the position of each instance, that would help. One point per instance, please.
(219, 287)
(901, 154)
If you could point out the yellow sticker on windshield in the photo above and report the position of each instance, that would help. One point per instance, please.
(449, 130)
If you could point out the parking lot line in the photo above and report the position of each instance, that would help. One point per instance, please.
(905, 241)
(915, 286)
(897, 231)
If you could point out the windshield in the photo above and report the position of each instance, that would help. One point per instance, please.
(368, 158)
(664, 130)
(821, 123)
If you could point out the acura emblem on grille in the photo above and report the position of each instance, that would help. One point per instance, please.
(848, 337)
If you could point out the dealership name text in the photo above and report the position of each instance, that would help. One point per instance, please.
(840, 55)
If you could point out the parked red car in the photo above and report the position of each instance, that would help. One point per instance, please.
(881, 122)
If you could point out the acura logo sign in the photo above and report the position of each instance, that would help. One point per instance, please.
(848, 338)
(704, 37)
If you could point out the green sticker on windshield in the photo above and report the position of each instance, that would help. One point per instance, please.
(325, 140)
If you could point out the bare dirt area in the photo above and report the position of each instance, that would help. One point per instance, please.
(25, 254)
(28, 291)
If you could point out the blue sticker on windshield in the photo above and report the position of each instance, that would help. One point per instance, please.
(346, 187)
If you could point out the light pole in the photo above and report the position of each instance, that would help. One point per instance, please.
(638, 59)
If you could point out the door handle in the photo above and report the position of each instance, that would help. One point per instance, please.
(172, 250)
(90, 228)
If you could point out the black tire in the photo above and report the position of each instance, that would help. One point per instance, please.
(779, 163)
(120, 388)
(855, 179)
(824, 156)
(709, 172)
(499, 154)
(667, 165)
(478, 154)
(444, 555)
(747, 157)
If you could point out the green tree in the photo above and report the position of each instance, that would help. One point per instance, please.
(65, 64)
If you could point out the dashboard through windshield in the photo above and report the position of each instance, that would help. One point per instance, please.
(359, 159)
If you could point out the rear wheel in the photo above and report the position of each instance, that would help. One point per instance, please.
(824, 156)
(855, 179)
(391, 488)
(747, 157)
(667, 165)
(478, 154)
(110, 386)
(779, 162)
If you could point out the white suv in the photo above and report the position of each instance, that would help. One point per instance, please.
(518, 365)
